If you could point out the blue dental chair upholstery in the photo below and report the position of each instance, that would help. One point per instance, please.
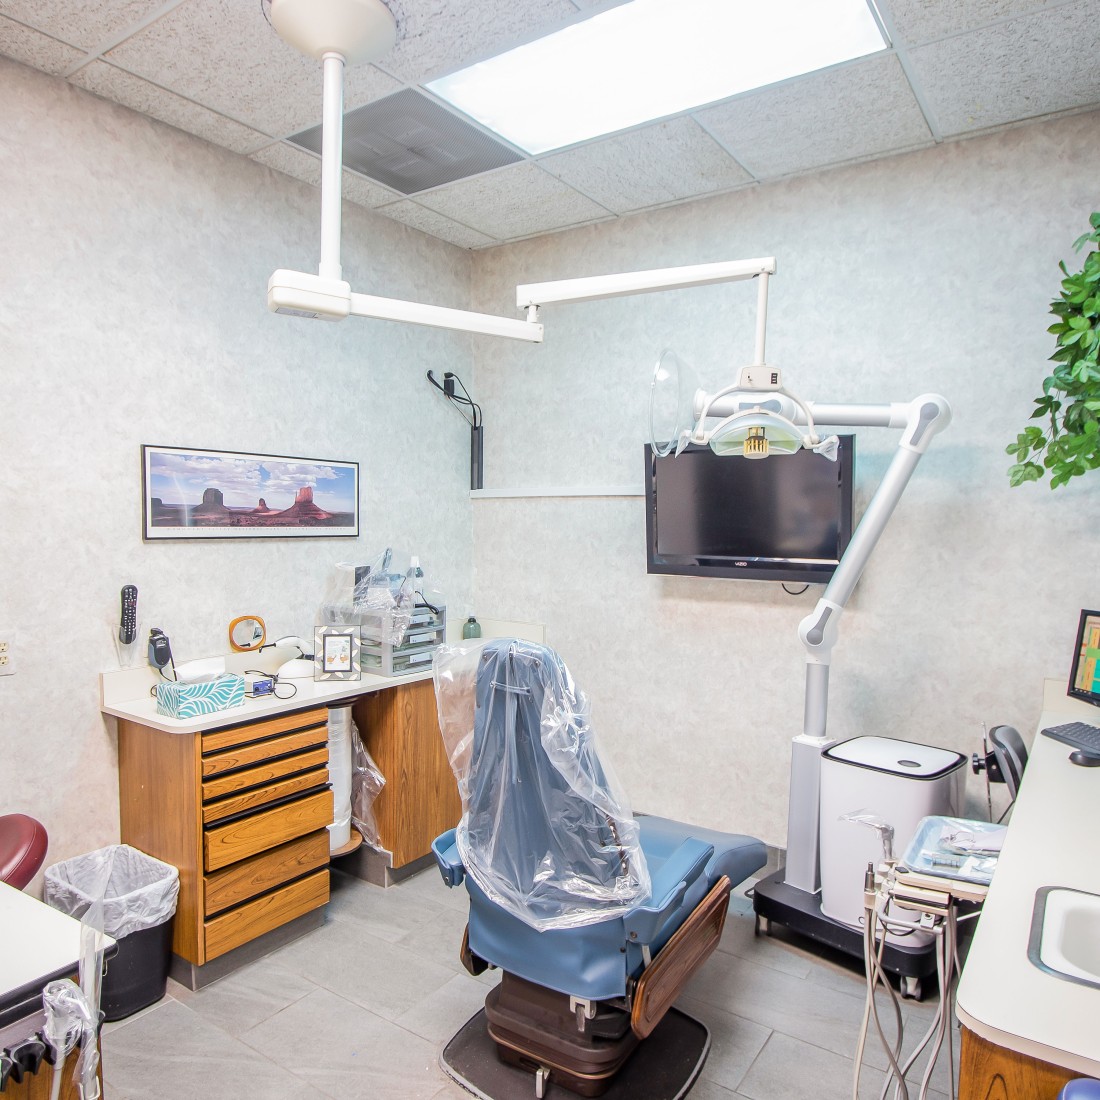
(588, 911)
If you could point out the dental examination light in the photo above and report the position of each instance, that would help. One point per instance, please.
(757, 418)
(339, 33)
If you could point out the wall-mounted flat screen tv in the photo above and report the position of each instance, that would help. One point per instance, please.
(782, 518)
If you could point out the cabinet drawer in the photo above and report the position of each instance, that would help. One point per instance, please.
(236, 840)
(267, 772)
(258, 797)
(269, 727)
(259, 751)
(261, 915)
(250, 877)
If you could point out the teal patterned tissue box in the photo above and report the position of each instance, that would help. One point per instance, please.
(191, 700)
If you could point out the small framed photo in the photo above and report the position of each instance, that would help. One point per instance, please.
(336, 654)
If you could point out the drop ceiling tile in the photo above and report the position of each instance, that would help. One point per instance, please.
(435, 37)
(436, 225)
(87, 24)
(917, 21)
(291, 161)
(139, 95)
(224, 54)
(366, 192)
(513, 202)
(671, 160)
(858, 110)
(1021, 69)
(34, 48)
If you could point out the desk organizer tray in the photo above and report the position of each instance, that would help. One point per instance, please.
(426, 633)
(190, 700)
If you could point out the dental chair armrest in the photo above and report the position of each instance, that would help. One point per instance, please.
(669, 886)
(446, 855)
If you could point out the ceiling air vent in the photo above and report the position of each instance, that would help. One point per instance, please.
(410, 143)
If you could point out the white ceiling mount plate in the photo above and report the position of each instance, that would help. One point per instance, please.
(358, 30)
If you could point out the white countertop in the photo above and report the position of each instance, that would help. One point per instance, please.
(126, 695)
(125, 692)
(1003, 997)
(39, 942)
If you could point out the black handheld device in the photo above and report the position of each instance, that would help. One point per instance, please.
(127, 627)
(160, 652)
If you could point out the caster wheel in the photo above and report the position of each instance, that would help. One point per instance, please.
(910, 989)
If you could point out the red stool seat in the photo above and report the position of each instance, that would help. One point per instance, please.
(22, 849)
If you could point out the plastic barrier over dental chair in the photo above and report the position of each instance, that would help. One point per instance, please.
(567, 854)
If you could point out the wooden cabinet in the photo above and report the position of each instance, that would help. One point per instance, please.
(242, 811)
(991, 1072)
(400, 730)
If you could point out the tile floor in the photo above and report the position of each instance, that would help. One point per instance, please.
(360, 1009)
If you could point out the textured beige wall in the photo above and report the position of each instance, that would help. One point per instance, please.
(133, 265)
(926, 272)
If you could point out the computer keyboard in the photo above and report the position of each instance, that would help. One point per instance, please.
(1078, 734)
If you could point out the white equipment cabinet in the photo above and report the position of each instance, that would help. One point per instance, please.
(896, 781)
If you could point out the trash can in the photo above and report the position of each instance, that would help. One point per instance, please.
(138, 894)
(898, 782)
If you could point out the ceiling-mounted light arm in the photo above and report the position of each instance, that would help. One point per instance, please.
(332, 165)
(594, 287)
(761, 316)
(339, 33)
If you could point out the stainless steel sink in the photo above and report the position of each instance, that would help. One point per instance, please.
(1065, 934)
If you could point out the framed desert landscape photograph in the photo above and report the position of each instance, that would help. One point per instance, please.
(199, 494)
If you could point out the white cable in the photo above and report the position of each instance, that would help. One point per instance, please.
(901, 1091)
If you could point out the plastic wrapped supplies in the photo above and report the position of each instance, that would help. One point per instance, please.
(366, 785)
(545, 829)
(378, 597)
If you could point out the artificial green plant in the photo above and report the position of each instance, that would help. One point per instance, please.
(1069, 445)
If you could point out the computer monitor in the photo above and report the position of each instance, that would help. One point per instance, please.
(1084, 677)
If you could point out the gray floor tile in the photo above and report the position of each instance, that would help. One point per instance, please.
(388, 914)
(438, 1016)
(244, 998)
(173, 1054)
(349, 1053)
(428, 885)
(346, 959)
(779, 1001)
(739, 938)
(734, 1043)
(708, 1090)
(439, 941)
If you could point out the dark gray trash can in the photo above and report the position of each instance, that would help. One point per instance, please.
(138, 897)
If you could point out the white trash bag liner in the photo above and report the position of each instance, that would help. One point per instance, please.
(137, 890)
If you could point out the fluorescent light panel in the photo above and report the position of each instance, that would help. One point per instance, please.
(651, 58)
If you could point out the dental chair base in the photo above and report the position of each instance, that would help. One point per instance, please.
(533, 1025)
(664, 1067)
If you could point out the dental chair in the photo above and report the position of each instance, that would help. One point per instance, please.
(596, 919)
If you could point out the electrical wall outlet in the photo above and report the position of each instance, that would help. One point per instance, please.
(7, 655)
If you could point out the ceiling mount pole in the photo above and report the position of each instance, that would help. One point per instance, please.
(332, 156)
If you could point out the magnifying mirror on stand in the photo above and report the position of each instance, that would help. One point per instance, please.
(671, 403)
(247, 632)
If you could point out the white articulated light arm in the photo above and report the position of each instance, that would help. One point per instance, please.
(924, 417)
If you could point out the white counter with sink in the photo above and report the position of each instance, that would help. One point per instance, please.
(1053, 842)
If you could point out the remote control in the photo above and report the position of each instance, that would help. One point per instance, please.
(127, 627)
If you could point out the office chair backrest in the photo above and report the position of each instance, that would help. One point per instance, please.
(546, 832)
(1008, 746)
